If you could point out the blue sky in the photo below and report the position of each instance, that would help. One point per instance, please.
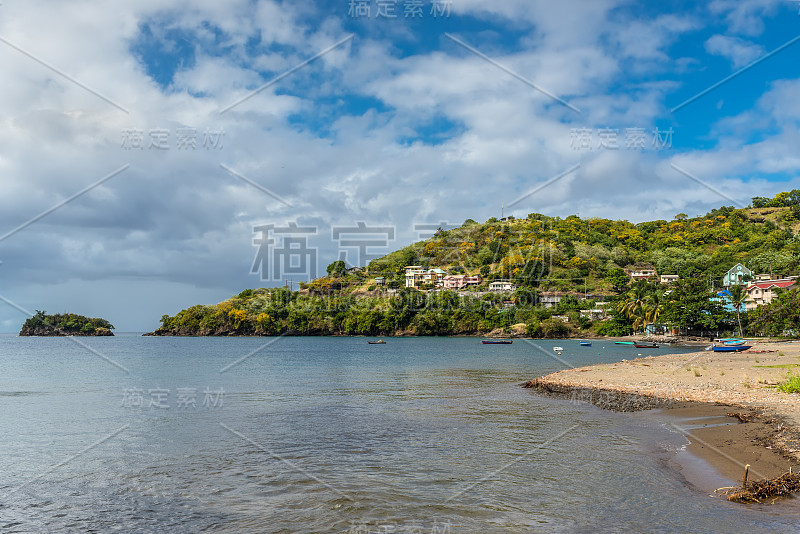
(397, 122)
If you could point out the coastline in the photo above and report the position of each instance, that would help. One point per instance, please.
(723, 403)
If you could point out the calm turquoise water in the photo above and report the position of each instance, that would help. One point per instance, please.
(331, 435)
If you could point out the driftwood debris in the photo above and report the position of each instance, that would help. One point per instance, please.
(757, 492)
(740, 416)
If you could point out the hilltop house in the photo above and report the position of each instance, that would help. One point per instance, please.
(737, 275)
(668, 278)
(641, 272)
(594, 313)
(417, 276)
(460, 281)
(502, 285)
(760, 293)
(549, 300)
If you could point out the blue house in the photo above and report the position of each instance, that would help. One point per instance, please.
(724, 299)
(736, 276)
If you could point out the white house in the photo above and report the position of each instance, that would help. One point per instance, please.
(548, 300)
(642, 272)
(501, 285)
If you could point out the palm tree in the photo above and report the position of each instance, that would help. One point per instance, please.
(737, 297)
(655, 306)
(642, 305)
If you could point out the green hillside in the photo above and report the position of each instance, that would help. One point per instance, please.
(554, 253)
(584, 259)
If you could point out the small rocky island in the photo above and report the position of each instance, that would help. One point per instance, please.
(65, 324)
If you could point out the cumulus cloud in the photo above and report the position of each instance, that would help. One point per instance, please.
(738, 51)
(392, 127)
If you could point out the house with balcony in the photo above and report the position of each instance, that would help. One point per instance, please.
(761, 293)
(668, 278)
(549, 300)
(417, 276)
(460, 281)
(642, 272)
(413, 274)
(502, 285)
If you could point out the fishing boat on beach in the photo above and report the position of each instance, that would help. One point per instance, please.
(497, 341)
(733, 342)
(645, 345)
(730, 348)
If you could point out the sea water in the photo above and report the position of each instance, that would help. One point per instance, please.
(310, 434)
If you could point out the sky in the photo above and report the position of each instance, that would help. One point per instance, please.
(160, 154)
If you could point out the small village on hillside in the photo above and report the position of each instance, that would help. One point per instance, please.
(727, 272)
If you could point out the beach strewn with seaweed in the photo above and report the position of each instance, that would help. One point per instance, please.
(736, 408)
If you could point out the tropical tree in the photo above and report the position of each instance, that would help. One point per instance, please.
(618, 279)
(737, 297)
(691, 304)
(337, 268)
(635, 304)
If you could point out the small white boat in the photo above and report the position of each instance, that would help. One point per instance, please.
(558, 349)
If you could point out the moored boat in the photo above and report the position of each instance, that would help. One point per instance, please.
(623, 343)
(558, 349)
(379, 342)
(645, 345)
(497, 341)
(585, 343)
(730, 348)
(734, 342)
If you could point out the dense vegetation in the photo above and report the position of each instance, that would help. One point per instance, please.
(584, 259)
(567, 251)
(65, 324)
(276, 311)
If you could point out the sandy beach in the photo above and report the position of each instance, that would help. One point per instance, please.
(701, 389)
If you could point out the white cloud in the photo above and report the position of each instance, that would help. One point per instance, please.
(342, 139)
(738, 51)
(745, 17)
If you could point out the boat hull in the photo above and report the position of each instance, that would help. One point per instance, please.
(497, 341)
(735, 348)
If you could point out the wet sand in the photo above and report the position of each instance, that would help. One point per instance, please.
(697, 391)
